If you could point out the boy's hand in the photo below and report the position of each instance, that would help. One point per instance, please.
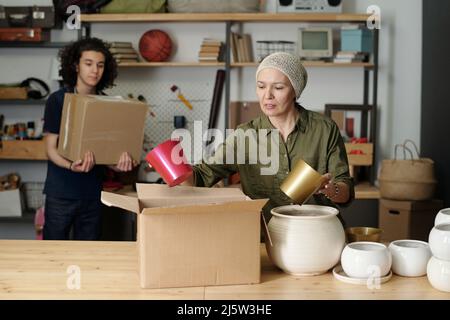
(84, 165)
(126, 163)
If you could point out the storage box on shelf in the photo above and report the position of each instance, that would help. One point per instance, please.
(359, 154)
(11, 203)
(407, 219)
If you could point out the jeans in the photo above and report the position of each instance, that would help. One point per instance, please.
(63, 214)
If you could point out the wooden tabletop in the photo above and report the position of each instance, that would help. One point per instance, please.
(32, 269)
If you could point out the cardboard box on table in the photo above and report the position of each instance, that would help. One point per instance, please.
(190, 236)
(107, 126)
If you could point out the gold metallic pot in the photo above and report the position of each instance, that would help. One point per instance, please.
(356, 234)
(302, 182)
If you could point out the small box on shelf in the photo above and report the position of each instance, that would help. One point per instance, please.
(359, 154)
(11, 203)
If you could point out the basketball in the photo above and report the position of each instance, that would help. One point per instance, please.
(155, 46)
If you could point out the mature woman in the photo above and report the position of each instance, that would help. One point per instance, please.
(303, 134)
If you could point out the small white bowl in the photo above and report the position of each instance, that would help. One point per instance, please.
(443, 216)
(365, 259)
(439, 241)
(438, 272)
(410, 257)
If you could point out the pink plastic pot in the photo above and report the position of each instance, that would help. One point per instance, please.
(165, 157)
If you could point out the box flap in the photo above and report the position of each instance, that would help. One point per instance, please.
(265, 230)
(117, 200)
(160, 191)
(224, 204)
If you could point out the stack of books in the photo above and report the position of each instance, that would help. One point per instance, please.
(123, 52)
(241, 47)
(351, 57)
(211, 50)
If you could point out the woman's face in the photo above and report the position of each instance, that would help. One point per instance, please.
(91, 67)
(275, 93)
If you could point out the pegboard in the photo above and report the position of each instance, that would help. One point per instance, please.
(165, 104)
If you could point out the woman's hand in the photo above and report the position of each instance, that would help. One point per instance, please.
(84, 165)
(337, 192)
(326, 181)
(126, 163)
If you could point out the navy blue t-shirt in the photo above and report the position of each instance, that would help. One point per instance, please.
(61, 182)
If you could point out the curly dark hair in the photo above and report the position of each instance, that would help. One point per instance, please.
(70, 57)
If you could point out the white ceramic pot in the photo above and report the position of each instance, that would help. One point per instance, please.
(438, 272)
(439, 240)
(443, 216)
(365, 259)
(410, 257)
(306, 240)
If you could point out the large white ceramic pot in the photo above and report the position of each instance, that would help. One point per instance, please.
(306, 240)
(443, 216)
(439, 240)
(438, 272)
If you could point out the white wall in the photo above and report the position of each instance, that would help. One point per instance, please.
(399, 74)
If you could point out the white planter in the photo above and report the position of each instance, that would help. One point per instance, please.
(438, 272)
(439, 240)
(307, 239)
(410, 257)
(443, 216)
(366, 259)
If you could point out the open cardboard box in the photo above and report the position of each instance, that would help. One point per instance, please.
(190, 236)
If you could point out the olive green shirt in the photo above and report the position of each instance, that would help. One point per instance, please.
(315, 139)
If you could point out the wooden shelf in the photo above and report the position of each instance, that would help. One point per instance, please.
(23, 102)
(224, 17)
(170, 64)
(312, 64)
(366, 191)
(16, 44)
(23, 150)
(26, 217)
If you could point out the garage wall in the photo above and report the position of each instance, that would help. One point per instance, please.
(399, 92)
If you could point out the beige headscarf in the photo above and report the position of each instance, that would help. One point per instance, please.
(288, 64)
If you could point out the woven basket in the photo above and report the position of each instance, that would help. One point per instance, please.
(407, 179)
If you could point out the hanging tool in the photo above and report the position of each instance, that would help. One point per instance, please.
(180, 96)
(141, 98)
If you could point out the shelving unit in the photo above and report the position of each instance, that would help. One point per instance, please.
(26, 149)
(240, 18)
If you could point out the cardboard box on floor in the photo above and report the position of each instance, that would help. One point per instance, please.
(107, 126)
(190, 236)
